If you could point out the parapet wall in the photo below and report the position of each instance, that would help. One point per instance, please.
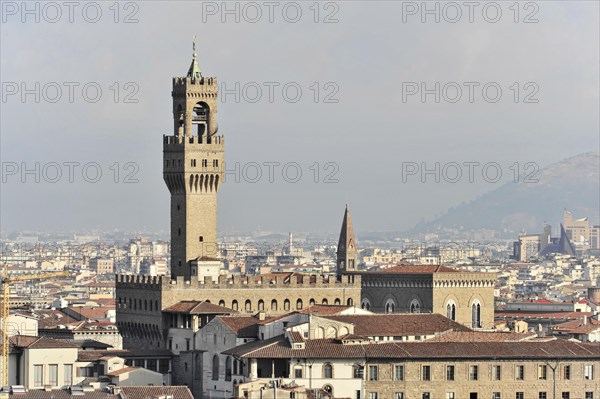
(266, 282)
(228, 282)
(146, 282)
(207, 84)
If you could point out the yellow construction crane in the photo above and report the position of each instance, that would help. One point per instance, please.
(6, 282)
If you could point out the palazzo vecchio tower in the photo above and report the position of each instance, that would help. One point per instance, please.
(193, 171)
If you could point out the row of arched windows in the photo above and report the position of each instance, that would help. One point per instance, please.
(235, 305)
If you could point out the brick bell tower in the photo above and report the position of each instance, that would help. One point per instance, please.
(193, 171)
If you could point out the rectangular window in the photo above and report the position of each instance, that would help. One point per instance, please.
(495, 395)
(399, 395)
(473, 373)
(298, 373)
(589, 395)
(53, 374)
(542, 372)
(373, 374)
(497, 372)
(542, 395)
(38, 375)
(68, 374)
(426, 373)
(372, 395)
(450, 395)
(520, 372)
(398, 373)
(85, 371)
(450, 373)
(588, 372)
(520, 395)
(426, 395)
(567, 372)
(187, 344)
(566, 395)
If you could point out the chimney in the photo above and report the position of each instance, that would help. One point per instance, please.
(584, 320)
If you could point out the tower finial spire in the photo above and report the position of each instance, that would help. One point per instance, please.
(194, 71)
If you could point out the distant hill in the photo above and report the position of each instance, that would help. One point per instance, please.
(573, 183)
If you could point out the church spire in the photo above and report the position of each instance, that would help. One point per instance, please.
(194, 71)
(347, 254)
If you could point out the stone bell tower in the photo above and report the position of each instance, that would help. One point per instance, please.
(193, 171)
(347, 253)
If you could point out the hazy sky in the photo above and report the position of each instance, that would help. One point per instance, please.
(364, 122)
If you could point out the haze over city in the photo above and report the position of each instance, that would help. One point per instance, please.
(360, 130)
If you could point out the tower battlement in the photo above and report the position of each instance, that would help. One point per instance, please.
(182, 84)
(176, 143)
(265, 282)
(137, 281)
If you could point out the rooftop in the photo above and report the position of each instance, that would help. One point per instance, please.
(279, 347)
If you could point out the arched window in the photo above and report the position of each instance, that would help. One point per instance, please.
(261, 305)
(248, 305)
(145, 304)
(337, 301)
(140, 304)
(299, 304)
(390, 306)
(150, 303)
(274, 305)
(234, 304)
(325, 301)
(476, 315)
(222, 303)
(286, 304)
(215, 368)
(134, 304)
(350, 302)
(365, 304)
(415, 306)
(156, 305)
(311, 302)
(228, 368)
(451, 310)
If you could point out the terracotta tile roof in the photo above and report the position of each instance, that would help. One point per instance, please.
(51, 318)
(399, 324)
(198, 307)
(334, 349)
(124, 370)
(322, 310)
(150, 392)
(23, 341)
(578, 326)
(295, 336)
(242, 326)
(477, 336)
(95, 312)
(105, 301)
